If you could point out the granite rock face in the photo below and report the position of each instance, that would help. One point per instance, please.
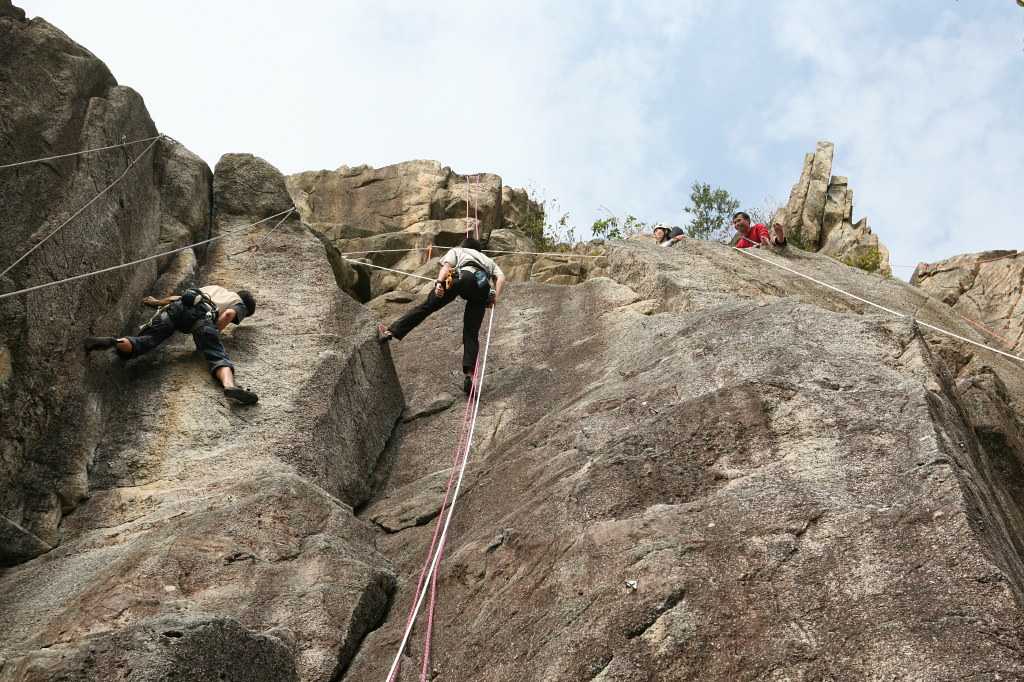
(403, 217)
(690, 464)
(239, 515)
(820, 214)
(702, 467)
(58, 98)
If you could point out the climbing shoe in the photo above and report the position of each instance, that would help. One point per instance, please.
(467, 384)
(241, 395)
(99, 342)
(384, 334)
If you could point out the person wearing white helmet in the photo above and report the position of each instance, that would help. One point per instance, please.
(666, 235)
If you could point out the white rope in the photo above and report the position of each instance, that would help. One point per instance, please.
(451, 506)
(79, 211)
(140, 260)
(412, 248)
(381, 267)
(448, 248)
(542, 253)
(84, 151)
(880, 307)
(258, 245)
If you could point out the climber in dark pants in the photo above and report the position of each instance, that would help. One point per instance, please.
(466, 273)
(203, 313)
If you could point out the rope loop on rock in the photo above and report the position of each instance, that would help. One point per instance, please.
(141, 260)
(74, 215)
(123, 143)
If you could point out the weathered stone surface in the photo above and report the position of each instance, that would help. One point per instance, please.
(795, 483)
(244, 184)
(364, 201)
(185, 183)
(389, 216)
(819, 214)
(200, 506)
(57, 98)
(987, 288)
(204, 649)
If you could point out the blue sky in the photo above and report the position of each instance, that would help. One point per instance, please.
(620, 105)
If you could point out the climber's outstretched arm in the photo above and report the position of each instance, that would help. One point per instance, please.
(158, 302)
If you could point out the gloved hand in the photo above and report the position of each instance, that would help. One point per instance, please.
(492, 296)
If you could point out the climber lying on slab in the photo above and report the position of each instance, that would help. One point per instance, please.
(204, 313)
(756, 235)
(465, 272)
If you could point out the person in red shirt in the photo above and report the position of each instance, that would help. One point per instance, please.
(756, 235)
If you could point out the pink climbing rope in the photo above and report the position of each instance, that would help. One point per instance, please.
(476, 205)
(460, 454)
(444, 520)
(456, 458)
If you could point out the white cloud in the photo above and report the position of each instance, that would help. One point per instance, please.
(615, 103)
(927, 126)
(558, 95)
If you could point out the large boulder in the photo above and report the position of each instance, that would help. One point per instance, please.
(707, 467)
(244, 184)
(819, 216)
(58, 98)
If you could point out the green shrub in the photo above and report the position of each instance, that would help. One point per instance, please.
(869, 261)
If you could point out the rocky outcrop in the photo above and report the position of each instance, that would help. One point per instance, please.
(819, 216)
(406, 197)
(404, 217)
(703, 454)
(239, 518)
(518, 210)
(390, 216)
(57, 98)
(985, 288)
(248, 185)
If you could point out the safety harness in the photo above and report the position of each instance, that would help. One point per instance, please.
(201, 306)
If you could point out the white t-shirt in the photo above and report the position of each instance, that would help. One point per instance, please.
(221, 297)
(459, 258)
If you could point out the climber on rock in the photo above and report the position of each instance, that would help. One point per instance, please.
(465, 272)
(204, 313)
(666, 235)
(756, 235)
